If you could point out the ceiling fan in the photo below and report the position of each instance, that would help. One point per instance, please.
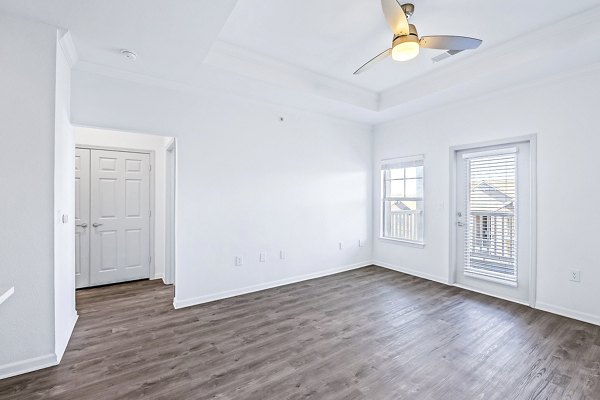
(406, 42)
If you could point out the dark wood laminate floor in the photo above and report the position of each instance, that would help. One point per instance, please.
(364, 334)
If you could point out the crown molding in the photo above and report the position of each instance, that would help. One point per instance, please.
(65, 41)
(243, 62)
(218, 82)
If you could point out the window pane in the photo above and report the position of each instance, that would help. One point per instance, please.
(395, 188)
(397, 173)
(411, 188)
(404, 220)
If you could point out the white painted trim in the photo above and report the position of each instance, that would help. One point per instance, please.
(61, 352)
(488, 153)
(6, 293)
(471, 289)
(158, 276)
(170, 212)
(25, 366)
(419, 245)
(400, 160)
(68, 47)
(533, 219)
(532, 140)
(262, 286)
(228, 56)
(410, 271)
(567, 312)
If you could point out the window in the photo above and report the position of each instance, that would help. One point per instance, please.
(402, 199)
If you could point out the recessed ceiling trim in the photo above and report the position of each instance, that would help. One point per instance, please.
(240, 61)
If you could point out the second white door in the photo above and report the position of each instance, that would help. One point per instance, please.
(119, 220)
(493, 188)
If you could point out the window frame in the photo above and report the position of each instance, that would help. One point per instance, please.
(383, 199)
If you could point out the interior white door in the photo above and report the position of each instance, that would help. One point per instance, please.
(120, 217)
(82, 218)
(493, 214)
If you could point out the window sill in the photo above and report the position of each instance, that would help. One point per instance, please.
(409, 243)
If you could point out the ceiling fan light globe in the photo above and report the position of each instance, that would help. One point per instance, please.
(406, 50)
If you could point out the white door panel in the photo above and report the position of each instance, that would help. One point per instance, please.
(82, 217)
(493, 213)
(120, 217)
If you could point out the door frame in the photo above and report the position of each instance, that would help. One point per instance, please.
(170, 214)
(532, 140)
(152, 190)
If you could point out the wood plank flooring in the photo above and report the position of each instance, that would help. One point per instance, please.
(364, 334)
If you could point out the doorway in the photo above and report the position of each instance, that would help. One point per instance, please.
(112, 216)
(493, 219)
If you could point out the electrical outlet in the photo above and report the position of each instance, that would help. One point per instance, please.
(282, 255)
(340, 245)
(262, 257)
(239, 261)
(575, 275)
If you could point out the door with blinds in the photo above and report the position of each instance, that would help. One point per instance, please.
(493, 224)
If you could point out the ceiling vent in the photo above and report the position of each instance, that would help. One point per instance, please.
(445, 55)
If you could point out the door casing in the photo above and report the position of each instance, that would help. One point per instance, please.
(454, 150)
(82, 218)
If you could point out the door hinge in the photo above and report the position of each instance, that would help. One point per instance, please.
(149, 259)
(149, 213)
(149, 167)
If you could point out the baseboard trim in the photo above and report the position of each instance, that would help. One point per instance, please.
(61, 352)
(470, 289)
(412, 272)
(158, 276)
(25, 366)
(263, 286)
(566, 312)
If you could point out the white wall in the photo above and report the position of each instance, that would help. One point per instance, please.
(27, 126)
(85, 136)
(64, 204)
(564, 114)
(247, 183)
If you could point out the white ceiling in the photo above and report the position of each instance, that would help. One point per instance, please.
(335, 37)
(171, 38)
(303, 53)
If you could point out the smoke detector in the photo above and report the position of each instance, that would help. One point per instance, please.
(128, 54)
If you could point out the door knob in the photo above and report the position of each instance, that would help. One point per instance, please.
(84, 225)
(96, 224)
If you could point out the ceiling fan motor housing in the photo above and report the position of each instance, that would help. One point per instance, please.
(403, 39)
(413, 36)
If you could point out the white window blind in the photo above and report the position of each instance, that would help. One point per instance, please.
(402, 199)
(491, 234)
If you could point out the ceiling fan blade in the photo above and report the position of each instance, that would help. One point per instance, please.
(449, 42)
(396, 19)
(373, 61)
